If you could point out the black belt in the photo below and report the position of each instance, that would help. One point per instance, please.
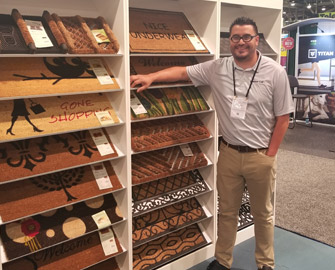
(242, 149)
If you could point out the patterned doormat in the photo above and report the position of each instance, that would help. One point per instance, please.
(48, 229)
(165, 162)
(169, 101)
(169, 247)
(75, 254)
(22, 118)
(155, 134)
(26, 158)
(110, 264)
(33, 76)
(157, 31)
(154, 224)
(165, 191)
(35, 195)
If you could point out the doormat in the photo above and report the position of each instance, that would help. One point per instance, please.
(21, 118)
(150, 64)
(110, 264)
(87, 35)
(169, 101)
(31, 234)
(165, 162)
(155, 134)
(31, 157)
(167, 248)
(158, 31)
(75, 254)
(162, 221)
(35, 195)
(33, 76)
(165, 191)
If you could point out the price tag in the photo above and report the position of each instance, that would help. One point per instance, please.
(101, 219)
(38, 34)
(101, 176)
(187, 151)
(136, 105)
(100, 35)
(104, 118)
(100, 71)
(194, 40)
(108, 241)
(101, 142)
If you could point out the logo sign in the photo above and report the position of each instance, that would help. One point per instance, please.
(312, 53)
(288, 43)
(327, 15)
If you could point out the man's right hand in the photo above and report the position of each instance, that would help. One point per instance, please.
(143, 80)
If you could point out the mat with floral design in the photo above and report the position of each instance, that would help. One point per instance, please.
(110, 264)
(22, 118)
(169, 101)
(31, 157)
(169, 247)
(165, 191)
(155, 134)
(35, 76)
(74, 254)
(31, 234)
(154, 224)
(38, 194)
(165, 162)
(158, 31)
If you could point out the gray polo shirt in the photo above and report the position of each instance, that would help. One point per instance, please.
(269, 96)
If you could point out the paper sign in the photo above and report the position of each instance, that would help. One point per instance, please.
(108, 241)
(104, 118)
(38, 34)
(101, 142)
(101, 176)
(187, 151)
(194, 40)
(100, 35)
(100, 71)
(101, 219)
(136, 105)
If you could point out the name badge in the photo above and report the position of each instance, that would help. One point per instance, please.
(239, 107)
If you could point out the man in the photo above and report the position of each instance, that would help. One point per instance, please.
(253, 101)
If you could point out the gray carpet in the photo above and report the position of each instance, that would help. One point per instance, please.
(305, 201)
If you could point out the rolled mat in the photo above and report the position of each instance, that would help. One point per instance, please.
(31, 234)
(38, 194)
(27, 158)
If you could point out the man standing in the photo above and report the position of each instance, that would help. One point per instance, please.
(253, 101)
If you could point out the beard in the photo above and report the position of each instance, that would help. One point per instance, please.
(247, 54)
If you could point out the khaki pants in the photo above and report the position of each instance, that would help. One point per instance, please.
(258, 171)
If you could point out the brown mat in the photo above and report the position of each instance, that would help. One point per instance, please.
(110, 264)
(35, 195)
(26, 158)
(21, 118)
(162, 163)
(167, 248)
(41, 231)
(170, 101)
(157, 31)
(75, 254)
(155, 134)
(162, 221)
(31, 76)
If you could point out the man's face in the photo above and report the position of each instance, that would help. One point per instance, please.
(242, 50)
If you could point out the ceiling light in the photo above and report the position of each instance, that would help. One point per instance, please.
(323, 8)
(309, 5)
(292, 3)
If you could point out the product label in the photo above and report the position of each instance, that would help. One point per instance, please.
(101, 219)
(38, 34)
(100, 71)
(187, 151)
(101, 142)
(194, 40)
(100, 35)
(104, 118)
(136, 105)
(108, 241)
(101, 176)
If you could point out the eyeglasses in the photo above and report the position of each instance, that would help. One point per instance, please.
(245, 38)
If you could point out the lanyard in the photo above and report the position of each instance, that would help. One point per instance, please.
(252, 79)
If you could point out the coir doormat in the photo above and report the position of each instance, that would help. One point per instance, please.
(38, 194)
(167, 248)
(110, 264)
(165, 162)
(169, 101)
(75, 254)
(34, 76)
(165, 191)
(31, 234)
(162, 221)
(155, 134)
(157, 31)
(27, 158)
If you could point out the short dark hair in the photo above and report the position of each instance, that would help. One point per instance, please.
(244, 21)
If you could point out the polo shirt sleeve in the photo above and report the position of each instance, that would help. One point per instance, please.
(200, 74)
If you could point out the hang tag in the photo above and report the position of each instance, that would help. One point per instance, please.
(101, 142)
(108, 241)
(187, 151)
(100, 71)
(100, 35)
(101, 219)
(136, 105)
(104, 118)
(38, 34)
(101, 176)
(239, 107)
(194, 40)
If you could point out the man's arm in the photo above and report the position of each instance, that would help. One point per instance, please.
(172, 74)
(278, 134)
